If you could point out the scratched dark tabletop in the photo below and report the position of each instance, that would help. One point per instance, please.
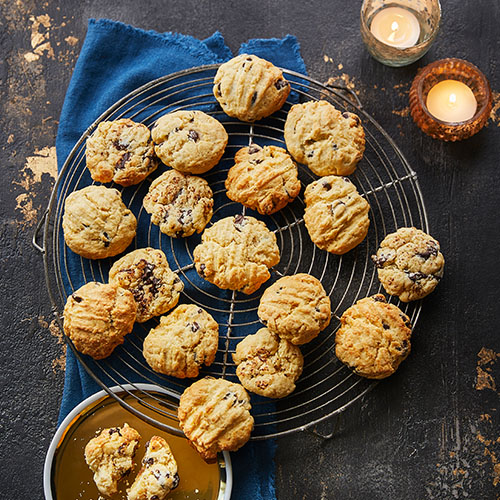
(432, 430)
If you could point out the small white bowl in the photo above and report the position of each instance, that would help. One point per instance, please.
(65, 424)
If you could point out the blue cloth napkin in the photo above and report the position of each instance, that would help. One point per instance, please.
(116, 59)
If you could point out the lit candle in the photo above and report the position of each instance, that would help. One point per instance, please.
(451, 101)
(396, 27)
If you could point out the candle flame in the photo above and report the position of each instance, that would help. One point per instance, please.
(453, 98)
(394, 32)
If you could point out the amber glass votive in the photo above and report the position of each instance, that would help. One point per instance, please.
(450, 69)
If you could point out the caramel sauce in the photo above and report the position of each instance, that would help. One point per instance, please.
(72, 478)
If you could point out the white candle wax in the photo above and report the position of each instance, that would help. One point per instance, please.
(396, 27)
(451, 101)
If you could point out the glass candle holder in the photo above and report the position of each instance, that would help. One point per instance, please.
(398, 32)
(441, 71)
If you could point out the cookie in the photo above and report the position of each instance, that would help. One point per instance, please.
(336, 216)
(374, 337)
(250, 88)
(296, 308)
(263, 179)
(180, 204)
(145, 272)
(189, 141)
(409, 264)
(97, 317)
(120, 151)
(215, 416)
(185, 339)
(323, 138)
(96, 223)
(109, 455)
(268, 365)
(158, 475)
(236, 253)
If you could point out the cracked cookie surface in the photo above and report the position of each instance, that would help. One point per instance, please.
(96, 222)
(180, 204)
(250, 88)
(336, 216)
(410, 264)
(323, 138)
(215, 416)
(296, 308)
(97, 317)
(145, 272)
(263, 179)
(374, 337)
(236, 253)
(189, 141)
(184, 341)
(158, 475)
(110, 456)
(120, 151)
(268, 365)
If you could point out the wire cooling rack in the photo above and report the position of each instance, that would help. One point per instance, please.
(326, 386)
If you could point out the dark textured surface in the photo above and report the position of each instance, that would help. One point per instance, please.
(430, 431)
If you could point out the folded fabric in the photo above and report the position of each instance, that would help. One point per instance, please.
(116, 59)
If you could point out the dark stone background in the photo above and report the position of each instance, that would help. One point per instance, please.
(430, 431)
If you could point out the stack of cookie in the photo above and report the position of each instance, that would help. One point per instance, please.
(236, 252)
(110, 456)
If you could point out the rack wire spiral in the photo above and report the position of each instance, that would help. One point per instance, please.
(326, 386)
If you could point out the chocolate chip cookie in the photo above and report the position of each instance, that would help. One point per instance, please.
(158, 475)
(120, 151)
(410, 264)
(374, 337)
(215, 416)
(180, 204)
(97, 317)
(189, 141)
(146, 273)
(296, 308)
(110, 456)
(250, 88)
(96, 223)
(236, 253)
(268, 365)
(263, 179)
(336, 216)
(184, 341)
(323, 138)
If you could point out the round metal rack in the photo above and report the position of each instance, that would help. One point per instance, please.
(326, 386)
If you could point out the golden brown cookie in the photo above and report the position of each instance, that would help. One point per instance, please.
(146, 273)
(268, 365)
(236, 253)
(96, 223)
(189, 141)
(158, 475)
(326, 140)
(336, 216)
(250, 88)
(97, 317)
(374, 337)
(109, 455)
(296, 308)
(263, 179)
(184, 341)
(180, 204)
(409, 263)
(120, 151)
(215, 416)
